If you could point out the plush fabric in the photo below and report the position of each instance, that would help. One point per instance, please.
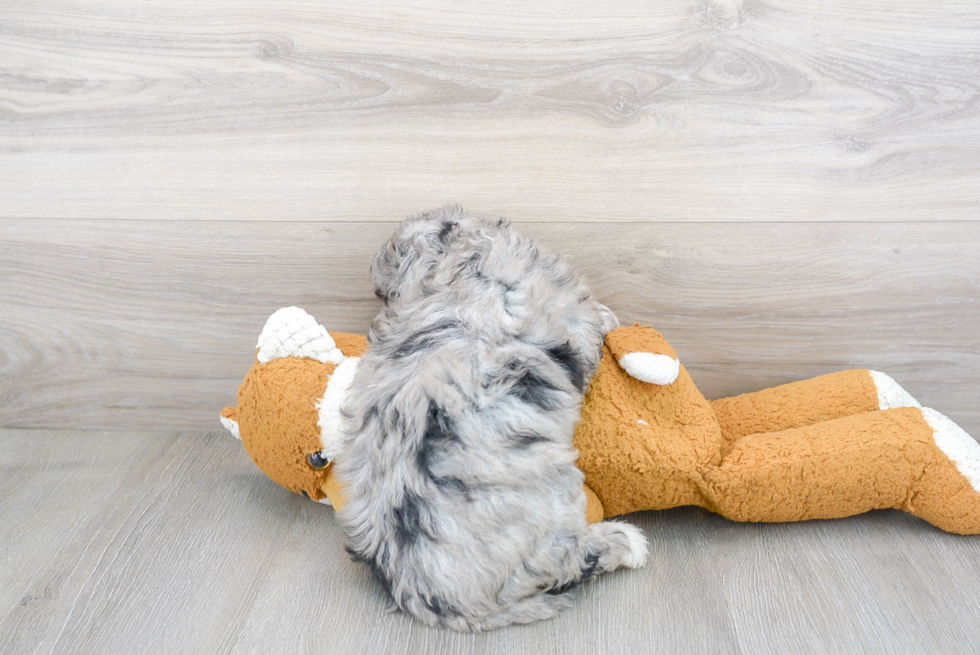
(832, 446)
(278, 417)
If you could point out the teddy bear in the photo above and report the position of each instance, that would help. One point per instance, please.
(832, 446)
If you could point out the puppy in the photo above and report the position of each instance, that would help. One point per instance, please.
(464, 495)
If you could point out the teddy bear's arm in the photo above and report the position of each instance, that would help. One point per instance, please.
(644, 354)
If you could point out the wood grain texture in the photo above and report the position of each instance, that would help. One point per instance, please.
(152, 325)
(676, 111)
(175, 542)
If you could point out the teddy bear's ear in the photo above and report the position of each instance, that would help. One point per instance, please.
(229, 419)
(291, 332)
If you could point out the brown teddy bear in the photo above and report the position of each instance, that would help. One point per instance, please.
(832, 446)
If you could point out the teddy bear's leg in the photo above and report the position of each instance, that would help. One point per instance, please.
(807, 402)
(909, 458)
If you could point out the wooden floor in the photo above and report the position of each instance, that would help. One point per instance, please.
(175, 542)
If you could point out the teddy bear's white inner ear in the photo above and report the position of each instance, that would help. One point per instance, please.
(292, 332)
(232, 426)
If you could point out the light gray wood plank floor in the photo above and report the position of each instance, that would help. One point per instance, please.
(175, 542)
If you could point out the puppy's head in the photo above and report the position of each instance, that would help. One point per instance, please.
(406, 264)
(289, 405)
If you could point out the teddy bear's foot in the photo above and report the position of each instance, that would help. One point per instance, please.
(807, 402)
(948, 492)
(907, 458)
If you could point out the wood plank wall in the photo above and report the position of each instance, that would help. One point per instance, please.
(782, 188)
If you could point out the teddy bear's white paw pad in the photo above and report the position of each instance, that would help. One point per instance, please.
(651, 368)
(962, 449)
(890, 393)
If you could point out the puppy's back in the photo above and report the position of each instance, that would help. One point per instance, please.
(464, 495)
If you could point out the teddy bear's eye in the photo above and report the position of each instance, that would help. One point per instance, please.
(317, 460)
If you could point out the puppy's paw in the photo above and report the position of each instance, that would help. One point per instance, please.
(638, 551)
(651, 368)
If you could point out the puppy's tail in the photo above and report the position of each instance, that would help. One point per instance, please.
(606, 547)
(536, 608)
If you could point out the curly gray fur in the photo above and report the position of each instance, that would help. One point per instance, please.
(464, 495)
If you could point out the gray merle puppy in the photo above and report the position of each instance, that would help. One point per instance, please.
(464, 495)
